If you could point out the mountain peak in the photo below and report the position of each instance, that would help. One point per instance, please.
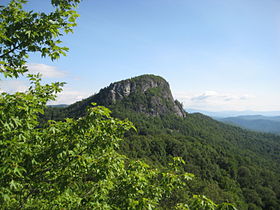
(147, 94)
(140, 84)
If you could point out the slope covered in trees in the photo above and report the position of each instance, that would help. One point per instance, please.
(231, 164)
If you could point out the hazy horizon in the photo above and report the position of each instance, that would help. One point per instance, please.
(234, 113)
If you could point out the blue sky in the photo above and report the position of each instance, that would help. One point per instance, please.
(216, 54)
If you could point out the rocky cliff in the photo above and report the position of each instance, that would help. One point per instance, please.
(148, 94)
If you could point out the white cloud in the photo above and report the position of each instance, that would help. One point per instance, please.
(69, 96)
(46, 70)
(12, 86)
(204, 96)
(215, 101)
(213, 95)
(21, 85)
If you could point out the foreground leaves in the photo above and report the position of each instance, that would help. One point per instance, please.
(22, 32)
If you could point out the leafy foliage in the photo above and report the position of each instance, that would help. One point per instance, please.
(23, 31)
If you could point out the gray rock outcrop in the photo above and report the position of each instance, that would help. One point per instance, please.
(154, 92)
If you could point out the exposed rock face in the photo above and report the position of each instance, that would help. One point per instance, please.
(147, 94)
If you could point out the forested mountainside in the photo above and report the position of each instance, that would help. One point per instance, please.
(230, 164)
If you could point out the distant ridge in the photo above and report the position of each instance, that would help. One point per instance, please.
(230, 113)
(256, 123)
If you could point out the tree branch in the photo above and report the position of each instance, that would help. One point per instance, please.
(16, 47)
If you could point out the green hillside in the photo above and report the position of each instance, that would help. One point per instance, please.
(230, 164)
